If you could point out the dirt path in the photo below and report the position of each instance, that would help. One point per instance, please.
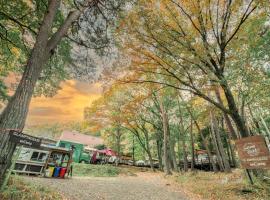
(144, 186)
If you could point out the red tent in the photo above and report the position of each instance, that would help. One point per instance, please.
(107, 152)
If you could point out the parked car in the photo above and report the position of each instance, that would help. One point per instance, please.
(112, 159)
(140, 163)
(130, 162)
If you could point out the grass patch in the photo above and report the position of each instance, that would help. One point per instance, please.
(19, 190)
(80, 169)
(221, 186)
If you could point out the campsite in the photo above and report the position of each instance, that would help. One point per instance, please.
(134, 100)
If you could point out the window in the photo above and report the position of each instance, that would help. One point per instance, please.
(63, 145)
(25, 155)
(34, 156)
(42, 157)
(39, 156)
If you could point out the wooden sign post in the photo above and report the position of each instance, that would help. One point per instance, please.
(253, 152)
(24, 139)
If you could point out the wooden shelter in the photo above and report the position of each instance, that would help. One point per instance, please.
(38, 161)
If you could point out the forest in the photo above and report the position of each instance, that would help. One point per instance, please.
(193, 76)
(183, 80)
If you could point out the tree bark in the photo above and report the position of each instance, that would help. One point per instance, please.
(159, 151)
(118, 145)
(179, 149)
(182, 133)
(173, 156)
(133, 150)
(219, 145)
(148, 151)
(184, 155)
(234, 112)
(150, 159)
(192, 145)
(14, 115)
(232, 133)
(171, 150)
(214, 141)
(164, 116)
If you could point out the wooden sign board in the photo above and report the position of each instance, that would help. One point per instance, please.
(24, 139)
(253, 152)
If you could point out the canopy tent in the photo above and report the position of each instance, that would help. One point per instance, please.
(107, 152)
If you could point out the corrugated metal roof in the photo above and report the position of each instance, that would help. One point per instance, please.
(74, 136)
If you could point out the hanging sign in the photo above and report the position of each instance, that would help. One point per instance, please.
(253, 152)
(24, 139)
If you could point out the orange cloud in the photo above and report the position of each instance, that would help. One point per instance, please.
(66, 106)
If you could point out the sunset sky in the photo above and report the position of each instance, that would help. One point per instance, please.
(66, 106)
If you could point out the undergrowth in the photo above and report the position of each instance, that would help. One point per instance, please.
(17, 189)
(222, 186)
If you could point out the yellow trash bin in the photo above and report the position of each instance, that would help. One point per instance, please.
(51, 169)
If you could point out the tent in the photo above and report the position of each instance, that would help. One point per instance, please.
(107, 152)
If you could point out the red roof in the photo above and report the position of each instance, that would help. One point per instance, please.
(74, 136)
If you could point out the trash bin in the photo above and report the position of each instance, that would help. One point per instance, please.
(63, 172)
(49, 172)
(56, 171)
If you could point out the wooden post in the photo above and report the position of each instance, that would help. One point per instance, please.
(133, 150)
(5, 182)
(249, 177)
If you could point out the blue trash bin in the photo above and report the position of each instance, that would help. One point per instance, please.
(56, 171)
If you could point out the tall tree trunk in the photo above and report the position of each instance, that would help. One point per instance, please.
(159, 152)
(192, 145)
(133, 150)
(179, 149)
(182, 136)
(232, 133)
(234, 112)
(172, 151)
(182, 133)
(229, 152)
(219, 144)
(14, 115)
(232, 150)
(184, 155)
(164, 116)
(214, 141)
(173, 156)
(150, 159)
(148, 150)
(118, 145)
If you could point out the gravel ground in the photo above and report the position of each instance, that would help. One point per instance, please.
(144, 186)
